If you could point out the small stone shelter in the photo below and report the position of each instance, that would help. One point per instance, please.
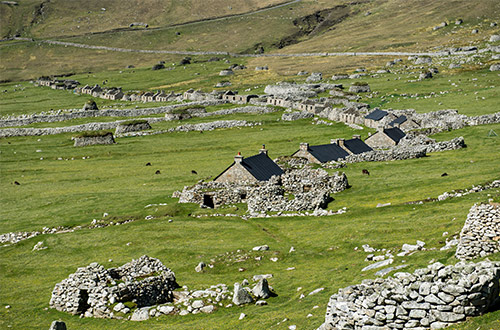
(385, 138)
(252, 169)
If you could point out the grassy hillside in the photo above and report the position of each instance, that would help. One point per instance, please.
(41, 18)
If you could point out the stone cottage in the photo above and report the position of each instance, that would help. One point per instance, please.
(252, 169)
(374, 118)
(404, 123)
(321, 153)
(385, 138)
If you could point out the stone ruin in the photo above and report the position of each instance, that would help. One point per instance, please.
(92, 290)
(93, 139)
(295, 190)
(132, 126)
(480, 235)
(432, 297)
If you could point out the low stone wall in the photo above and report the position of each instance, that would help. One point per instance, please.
(91, 290)
(56, 116)
(433, 297)
(132, 127)
(82, 141)
(480, 235)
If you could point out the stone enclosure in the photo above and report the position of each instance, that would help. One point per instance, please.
(432, 297)
(91, 290)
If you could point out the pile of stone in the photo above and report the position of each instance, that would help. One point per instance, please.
(430, 144)
(295, 190)
(480, 235)
(395, 153)
(91, 290)
(434, 297)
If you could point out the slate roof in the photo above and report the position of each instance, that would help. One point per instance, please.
(399, 120)
(376, 115)
(395, 134)
(357, 146)
(327, 152)
(261, 167)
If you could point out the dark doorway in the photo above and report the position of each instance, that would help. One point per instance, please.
(83, 301)
(208, 201)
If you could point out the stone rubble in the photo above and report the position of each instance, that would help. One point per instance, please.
(480, 235)
(433, 297)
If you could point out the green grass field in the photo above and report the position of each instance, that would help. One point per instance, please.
(61, 185)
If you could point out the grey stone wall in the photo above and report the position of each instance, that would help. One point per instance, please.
(432, 297)
(480, 235)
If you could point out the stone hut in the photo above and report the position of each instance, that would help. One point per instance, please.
(147, 97)
(132, 126)
(91, 290)
(321, 153)
(252, 169)
(229, 96)
(352, 146)
(385, 138)
(86, 89)
(404, 123)
(373, 119)
(93, 138)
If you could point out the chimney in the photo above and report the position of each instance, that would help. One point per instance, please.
(304, 146)
(357, 136)
(340, 142)
(263, 150)
(238, 158)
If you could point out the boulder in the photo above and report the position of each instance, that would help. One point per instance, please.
(359, 88)
(315, 77)
(90, 105)
(495, 67)
(495, 38)
(240, 295)
(140, 314)
(226, 73)
(261, 289)
(57, 325)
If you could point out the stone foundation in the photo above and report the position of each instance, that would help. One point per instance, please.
(132, 127)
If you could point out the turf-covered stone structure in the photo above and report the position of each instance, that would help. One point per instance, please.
(93, 138)
(92, 291)
(132, 126)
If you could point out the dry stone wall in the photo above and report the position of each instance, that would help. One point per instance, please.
(132, 127)
(432, 297)
(480, 235)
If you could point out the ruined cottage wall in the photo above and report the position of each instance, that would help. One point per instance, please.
(307, 155)
(236, 173)
(379, 140)
(433, 297)
(480, 235)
